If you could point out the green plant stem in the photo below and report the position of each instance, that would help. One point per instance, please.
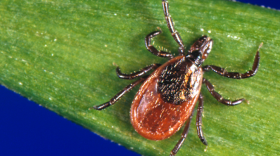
(63, 55)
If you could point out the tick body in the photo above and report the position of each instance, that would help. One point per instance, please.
(167, 97)
(157, 115)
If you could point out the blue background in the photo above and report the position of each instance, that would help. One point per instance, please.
(29, 129)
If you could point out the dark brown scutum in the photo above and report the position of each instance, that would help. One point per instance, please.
(173, 83)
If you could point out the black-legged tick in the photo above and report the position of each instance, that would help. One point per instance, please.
(167, 98)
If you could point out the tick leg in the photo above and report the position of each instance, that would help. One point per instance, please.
(199, 120)
(217, 96)
(152, 49)
(235, 75)
(171, 28)
(119, 95)
(136, 74)
(183, 137)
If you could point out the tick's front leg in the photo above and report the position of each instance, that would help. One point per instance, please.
(175, 34)
(235, 75)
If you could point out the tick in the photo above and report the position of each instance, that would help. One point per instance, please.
(167, 97)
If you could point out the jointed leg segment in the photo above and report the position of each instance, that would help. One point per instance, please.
(199, 120)
(186, 129)
(137, 74)
(219, 97)
(183, 137)
(152, 49)
(170, 25)
(235, 75)
(119, 95)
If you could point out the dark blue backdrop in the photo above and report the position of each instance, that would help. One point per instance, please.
(28, 129)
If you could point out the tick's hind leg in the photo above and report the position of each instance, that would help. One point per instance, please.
(199, 120)
(119, 95)
(152, 49)
(136, 74)
(235, 75)
(219, 97)
(183, 137)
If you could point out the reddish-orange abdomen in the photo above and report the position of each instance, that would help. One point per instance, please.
(154, 118)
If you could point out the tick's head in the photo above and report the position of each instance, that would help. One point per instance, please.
(200, 50)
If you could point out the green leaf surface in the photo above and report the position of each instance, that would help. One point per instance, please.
(63, 55)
